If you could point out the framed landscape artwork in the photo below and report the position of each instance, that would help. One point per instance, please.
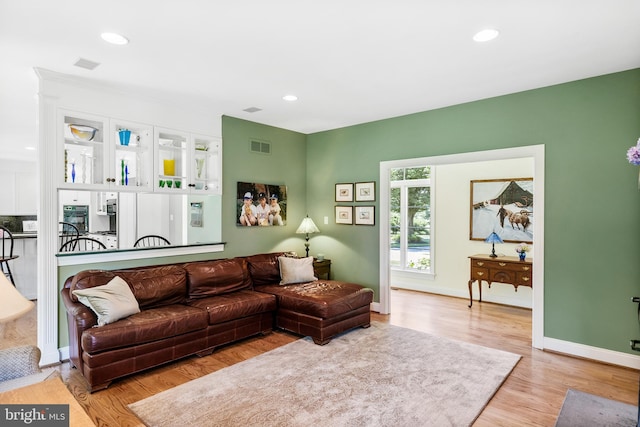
(503, 206)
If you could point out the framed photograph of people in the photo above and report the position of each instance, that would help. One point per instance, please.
(344, 215)
(261, 205)
(365, 215)
(344, 192)
(365, 191)
(503, 206)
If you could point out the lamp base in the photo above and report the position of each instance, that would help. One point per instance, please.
(493, 251)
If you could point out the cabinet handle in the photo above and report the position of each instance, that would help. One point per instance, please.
(526, 279)
(480, 273)
(502, 264)
(525, 268)
(192, 185)
(480, 263)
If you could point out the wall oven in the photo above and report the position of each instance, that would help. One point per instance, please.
(77, 215)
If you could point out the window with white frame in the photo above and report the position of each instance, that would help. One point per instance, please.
(410, 206)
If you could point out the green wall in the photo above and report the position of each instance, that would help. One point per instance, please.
(591, 194)
(592, 197)
(285, 165)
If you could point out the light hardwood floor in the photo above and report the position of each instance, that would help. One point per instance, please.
(531, 396)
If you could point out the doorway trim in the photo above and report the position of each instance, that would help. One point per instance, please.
(536, 152)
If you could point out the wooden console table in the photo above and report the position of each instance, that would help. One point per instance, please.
(502, 269)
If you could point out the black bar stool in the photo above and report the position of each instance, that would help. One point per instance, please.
(6, 240)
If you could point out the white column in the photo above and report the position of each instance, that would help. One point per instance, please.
(48, 231)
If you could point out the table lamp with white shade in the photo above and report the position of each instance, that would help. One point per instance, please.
(307, 227)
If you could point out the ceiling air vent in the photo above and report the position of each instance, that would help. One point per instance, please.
(260, 147)
(87, 64)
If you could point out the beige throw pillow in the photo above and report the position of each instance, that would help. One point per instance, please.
(110, 302)
(296, 270)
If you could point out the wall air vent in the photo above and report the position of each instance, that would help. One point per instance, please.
(260, 147)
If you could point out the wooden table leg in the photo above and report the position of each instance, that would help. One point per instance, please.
(471, 293)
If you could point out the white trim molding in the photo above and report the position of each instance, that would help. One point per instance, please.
(593, 353)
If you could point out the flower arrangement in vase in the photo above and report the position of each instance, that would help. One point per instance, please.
(633, 156)
(522, 250)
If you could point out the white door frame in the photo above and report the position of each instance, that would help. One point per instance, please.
(536, 152)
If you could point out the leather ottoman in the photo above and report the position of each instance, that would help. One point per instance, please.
(321, 309)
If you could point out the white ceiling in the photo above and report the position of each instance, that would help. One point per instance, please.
(348, 61)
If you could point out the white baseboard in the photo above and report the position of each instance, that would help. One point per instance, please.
(593, 353)
(64, 353)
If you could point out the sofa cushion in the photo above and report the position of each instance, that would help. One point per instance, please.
(152, 286)
(110, 302)
(209, 278)
(157, 286)
(322, 299)
(296, 270)
(222, 308)
(264, 268)
(147, 326)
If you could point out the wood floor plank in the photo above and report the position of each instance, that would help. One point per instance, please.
(531, 396)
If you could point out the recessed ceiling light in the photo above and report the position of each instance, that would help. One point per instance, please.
(114, 38)
(30, 148)
(290, 98)
(486, 35)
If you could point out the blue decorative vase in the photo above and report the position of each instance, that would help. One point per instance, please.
(73, 172)
(125, 135)
(522, 255)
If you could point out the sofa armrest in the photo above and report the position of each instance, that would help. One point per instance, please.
(83, 316)
(16, 362)
(79, 319)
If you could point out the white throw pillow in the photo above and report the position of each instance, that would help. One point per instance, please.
(110, 302)
(296, 270)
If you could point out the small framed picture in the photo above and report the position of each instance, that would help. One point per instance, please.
(365, 191)
(344, 192)
(344, 215)
(365, 215)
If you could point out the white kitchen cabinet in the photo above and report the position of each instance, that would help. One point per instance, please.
(25, 275)
(103, 161)
(187, 163)
(19, 189)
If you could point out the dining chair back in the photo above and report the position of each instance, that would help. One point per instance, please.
(83, 244)
(68, 232)
(6, 241)
(151, 240)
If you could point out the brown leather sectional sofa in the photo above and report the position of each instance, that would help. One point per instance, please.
(194, 307)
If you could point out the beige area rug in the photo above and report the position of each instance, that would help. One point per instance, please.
(381, 376)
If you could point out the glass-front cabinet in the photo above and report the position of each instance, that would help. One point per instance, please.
(133, 154)
(84, 150)
(103, 153)
(206, 162)
(171, 160)
(187, 163)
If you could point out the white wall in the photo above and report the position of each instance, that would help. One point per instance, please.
(452, 244)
